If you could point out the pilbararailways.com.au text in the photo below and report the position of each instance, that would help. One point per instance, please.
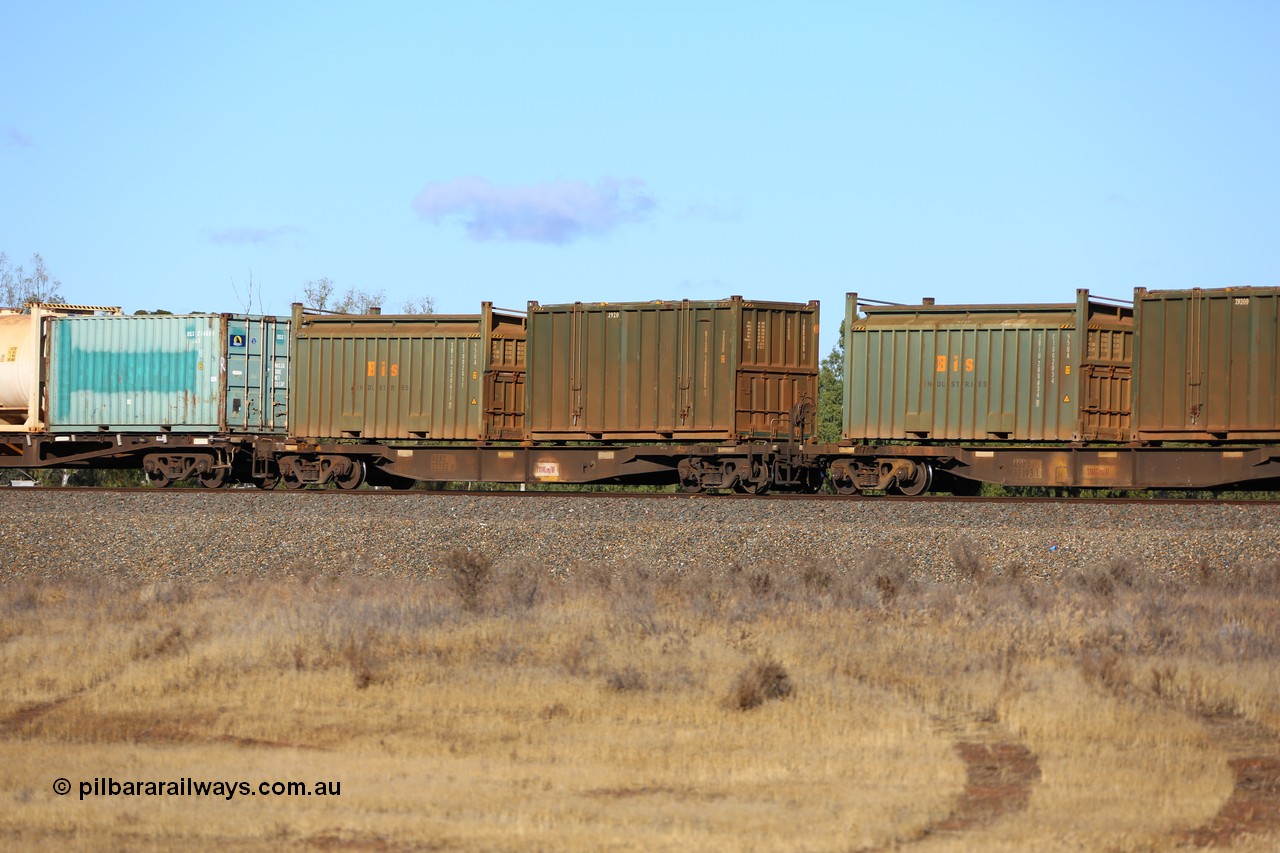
(108, 786)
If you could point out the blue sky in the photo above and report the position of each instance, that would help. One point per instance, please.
(159, 155)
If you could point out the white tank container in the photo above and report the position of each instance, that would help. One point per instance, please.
(19, 367)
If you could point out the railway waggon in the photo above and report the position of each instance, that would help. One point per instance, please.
(1178, 389)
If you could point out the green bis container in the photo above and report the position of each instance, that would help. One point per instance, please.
(1056, 372)
(450, 377)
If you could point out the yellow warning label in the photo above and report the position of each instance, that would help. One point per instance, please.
(1066, 399)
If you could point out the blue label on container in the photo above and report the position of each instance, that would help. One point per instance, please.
(237, 340)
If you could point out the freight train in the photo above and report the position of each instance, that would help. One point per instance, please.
(1177, 389)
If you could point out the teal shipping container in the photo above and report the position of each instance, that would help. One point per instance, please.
(201, 373)
(1049, 372)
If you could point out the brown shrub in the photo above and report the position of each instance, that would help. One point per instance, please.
(521, 588)
(763, 680)
(627, 679)
(1106, 670)
(363, 655)
(967, 558)
(470, 575)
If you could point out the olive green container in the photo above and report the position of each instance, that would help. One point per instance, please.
(1208, 364)
(689, 370)
(1053, 372)
(408, 376)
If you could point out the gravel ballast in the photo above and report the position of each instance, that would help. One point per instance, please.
(48, 533)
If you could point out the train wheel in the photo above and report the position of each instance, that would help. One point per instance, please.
(158, 480)
(289, 472)
(919, 482)
(752, 487)
(215, 479)
(758, 483)
(353, 478)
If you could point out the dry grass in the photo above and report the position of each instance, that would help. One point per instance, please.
(506, 707)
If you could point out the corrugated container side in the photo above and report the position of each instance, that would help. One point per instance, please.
(659, 370)
(986, 372)
(1208, 364)
(446, 377)
(169, 372)
(135, 373)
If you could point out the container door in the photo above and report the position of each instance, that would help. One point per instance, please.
(504, 388)
(257, 373)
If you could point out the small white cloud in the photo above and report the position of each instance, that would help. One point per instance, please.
(558, 212)
(12, 136)
(249, 235)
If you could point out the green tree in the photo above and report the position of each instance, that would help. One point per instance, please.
(831, 393)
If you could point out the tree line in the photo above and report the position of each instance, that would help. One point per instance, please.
(19, 286)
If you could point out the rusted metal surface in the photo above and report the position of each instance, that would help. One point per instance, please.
(442, 376)
(707, 370)
(1055, 372)
(1208, 364)
(1117, 467)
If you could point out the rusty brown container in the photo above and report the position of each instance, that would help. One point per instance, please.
(642, 371)
(1208, 364)
(408, 376)
(1054, 372)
